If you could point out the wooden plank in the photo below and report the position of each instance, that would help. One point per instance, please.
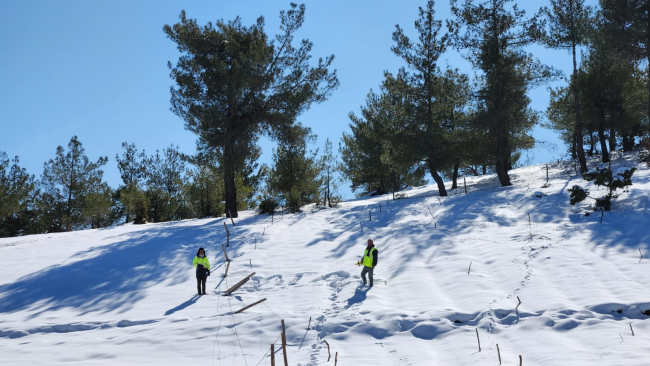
(250, 306)
(239, 284)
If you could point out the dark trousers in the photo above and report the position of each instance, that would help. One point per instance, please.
(201, 282)
(367, 270)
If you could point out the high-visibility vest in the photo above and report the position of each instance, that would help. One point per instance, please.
(204, 261)
(367, 257)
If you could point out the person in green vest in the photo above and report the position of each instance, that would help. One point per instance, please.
(202, 266)
(369, 261)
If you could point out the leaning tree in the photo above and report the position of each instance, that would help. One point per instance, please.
(235, 83)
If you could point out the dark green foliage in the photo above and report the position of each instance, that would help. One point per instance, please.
(132, 170)
(18, 196)
(569, 22)
(164, 183)
(329, 176)
(205, 190)
(495, 36)
(427, 130)
(66, 182)
(295, 175)
(268, 205)
(234, 82)
(605, 177)
(375, 157)
(135, 202)
(626, 28)
(577, 194)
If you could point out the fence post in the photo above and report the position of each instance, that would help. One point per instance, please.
(272, 354)
(284, 344)
(370, 214)
(224, 253)
(465, 183)
(231, 220)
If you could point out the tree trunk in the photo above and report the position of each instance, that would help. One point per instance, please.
(433, 169)
(574, 153)
(578, 127)
(592, 145)
(454, 177)
(612, 139)
(229, 182)
(628, 142)
(502, 158)
(601, 136)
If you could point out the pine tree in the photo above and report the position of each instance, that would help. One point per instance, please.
(132, 170)
(379, 156)
(495, 38)
(67, 180)
(18, 193)
(233, 82)
(295, 175)
(569, 23)
(627, 28)
(330, 177)
(422, 59)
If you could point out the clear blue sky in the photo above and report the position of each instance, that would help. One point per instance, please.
(98, 70)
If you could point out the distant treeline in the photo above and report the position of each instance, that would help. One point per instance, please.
(235, 83)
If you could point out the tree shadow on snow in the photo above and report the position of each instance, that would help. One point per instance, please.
(114, 277)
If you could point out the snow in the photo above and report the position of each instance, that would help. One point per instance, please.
(126, 295)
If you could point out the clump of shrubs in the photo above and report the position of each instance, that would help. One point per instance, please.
(268, 205)
(606, 178)
(577, 194)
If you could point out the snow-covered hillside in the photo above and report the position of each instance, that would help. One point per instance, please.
(126, 295)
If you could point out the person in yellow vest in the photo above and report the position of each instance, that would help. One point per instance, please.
(202, 266)
(369, 261)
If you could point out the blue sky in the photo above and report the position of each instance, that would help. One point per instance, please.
(98, 70)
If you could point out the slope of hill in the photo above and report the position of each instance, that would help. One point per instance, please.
(126, 295)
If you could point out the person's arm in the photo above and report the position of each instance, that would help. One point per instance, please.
(207, 263)
(195, 262)
(375, 257)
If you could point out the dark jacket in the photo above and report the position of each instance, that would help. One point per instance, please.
(375, 254)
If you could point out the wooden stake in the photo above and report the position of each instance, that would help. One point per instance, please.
(250, 306)
(256, 242)
(263, 231)
(336, 358)
(465, 184)
(272, 354)
(239, 284)
(519, 360)
(470, 267)
(231, 220)
(227, 266)
(479, 340)
(601, 216)
(499, 353)
(251, 262)
(546, 173)
(361, 226)
(632, 329)
(641, 254)
(519, 303)
(224, 253)
(284, 344)
(370, 213)
(309, 325)
(329, 355)
(226, 226)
